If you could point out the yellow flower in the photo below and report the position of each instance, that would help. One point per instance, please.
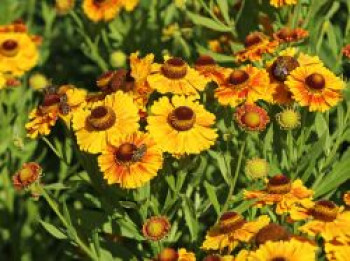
(102, 10)
(337, 251)
(282, 192)
(141, 68)
(288, 119)
(292, 250)
(329, 221)
(181, 126)
(94, 127)
(64, 6)
(130, 5)
(175, 76)
(280, 3)
(185, 255)
(38, 81)
(231, 230)
(40, 122)
(248, 84)
(251, 117)
(18, 53)
(315, 87)
(130, 161)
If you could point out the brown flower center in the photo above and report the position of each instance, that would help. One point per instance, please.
(230, 221)
(205, 61)
(125, 152)
(9, 48)
(279, 259)
(182, 118)
(316, 81)
(174, 68)
(168, 254)
(98, 2)
(51, 99)
(252, 39)
(212, 258)
(238, 77)
(286, 33)
(271, 232)
(282, 67)
(279, 184)
(325, 210)
(101, 118)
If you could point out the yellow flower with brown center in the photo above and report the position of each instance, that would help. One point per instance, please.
(281, 3)
(247, 84)
(156, 228)
(256, 45)
(177, 77)
(18, 53)
(329, 221)
(251, 117)
(231, 230)
(292, 250)
(337, 251)
(346, 198)
(288, 119)
(257, 168)
(130, 161)
(346, 51)
(282, 192)
(207, 67)
(288, 35)
(102, 10)
(94, 127)
(40, 122)
(181, 126)
(315, 87)
(27, 175)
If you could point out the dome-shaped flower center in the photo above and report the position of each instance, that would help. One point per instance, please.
(253, 39)
(174, 68)
(168, 254)
(205, 61)
(9, 48)
(282, 67)
(98, 2)
(279, 184)
(251, 119)
(279, 259)
(212, 258)
(325, 210)
(316, 81)
(25, 174)
(101, 118)
(125, 152)
(156, 228)
(182, 118)
(230, 221)
(286, 33)
(271, 232)
(238, 77)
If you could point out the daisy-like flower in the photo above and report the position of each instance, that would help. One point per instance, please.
(102, 10)
(346, 51)
(156, 228)
(346, 198)
(176, 76)
(256, 168)
(130, 161)
(247, 84)
(181, 126)
(288, 119)
(256, 45)
(94, 127)
(288, 35)
(292, 250)
(251, 117)
(315, 87)
(18, 53)
(281, 3)
(337, 251)
(40, 123)
(282, 192)
(231, 230)
(27, 175)
(208, 68)
(329, 221)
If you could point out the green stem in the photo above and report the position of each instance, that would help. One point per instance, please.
(76, 238)
(52, 147)
(234, 181)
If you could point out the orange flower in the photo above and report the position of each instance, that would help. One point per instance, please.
(256, 45)
(102, 10)
(247, 84)
(288, 35)
(207, 67)
(27, 175)
(40, 123)
(156, 228)
(346, 51)
(251, 117)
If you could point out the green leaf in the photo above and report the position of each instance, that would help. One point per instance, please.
(224, 10)
(212, 196)
(190, 217)
(54, 231)
(208, 23)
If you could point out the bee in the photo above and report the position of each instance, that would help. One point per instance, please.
(139, 153)
(50, 89)
(282, 67)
